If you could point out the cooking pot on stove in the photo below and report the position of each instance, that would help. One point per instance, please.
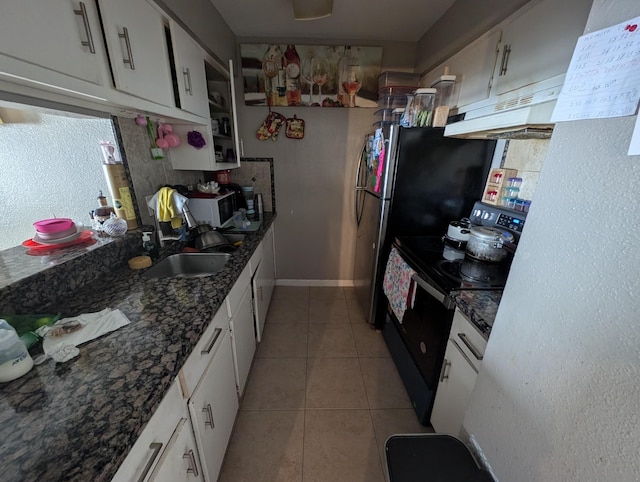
(488, 244)
(458, 230)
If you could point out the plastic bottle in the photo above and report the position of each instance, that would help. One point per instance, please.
(15, 360)
(149, 246)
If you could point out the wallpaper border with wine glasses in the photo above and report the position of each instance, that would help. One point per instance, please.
(310, 75)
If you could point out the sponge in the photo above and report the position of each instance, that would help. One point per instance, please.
(140, 262)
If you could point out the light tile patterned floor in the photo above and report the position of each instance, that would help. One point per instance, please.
(322, 397)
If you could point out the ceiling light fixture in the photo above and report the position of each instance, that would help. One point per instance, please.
(311, 9)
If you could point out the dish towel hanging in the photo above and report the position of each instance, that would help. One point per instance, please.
(398, 284)
(168, 204)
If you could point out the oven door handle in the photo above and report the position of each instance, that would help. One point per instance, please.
(441, 297)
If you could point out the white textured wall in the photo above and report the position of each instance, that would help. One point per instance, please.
(50, 165)
(557, 396)
(315, 236)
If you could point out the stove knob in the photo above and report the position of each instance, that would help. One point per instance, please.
(477, 213)
(486, 215)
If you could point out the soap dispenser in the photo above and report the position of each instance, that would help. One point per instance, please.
(148, 246)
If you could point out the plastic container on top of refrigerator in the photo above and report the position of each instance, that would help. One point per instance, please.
(395, 90)
(387, 117)
(392, 101)
(421, 108)
(406, 79)
(445, 87)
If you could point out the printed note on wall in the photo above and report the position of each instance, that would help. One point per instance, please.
(603, 79)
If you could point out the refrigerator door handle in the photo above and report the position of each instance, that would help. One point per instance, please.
(357, 188)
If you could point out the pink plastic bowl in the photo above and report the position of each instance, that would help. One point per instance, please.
(54, 225)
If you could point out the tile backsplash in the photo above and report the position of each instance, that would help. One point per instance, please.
(147, 174)
(527, 156)
(257, 172)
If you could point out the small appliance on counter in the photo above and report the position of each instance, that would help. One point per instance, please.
(214, 209)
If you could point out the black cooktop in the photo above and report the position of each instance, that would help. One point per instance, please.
(448, 268)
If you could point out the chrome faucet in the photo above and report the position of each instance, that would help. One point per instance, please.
(189, 220)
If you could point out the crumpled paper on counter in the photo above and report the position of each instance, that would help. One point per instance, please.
(64, 348)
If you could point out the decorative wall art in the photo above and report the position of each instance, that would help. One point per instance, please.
(310, 75)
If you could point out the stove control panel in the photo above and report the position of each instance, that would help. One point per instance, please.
(489, 215)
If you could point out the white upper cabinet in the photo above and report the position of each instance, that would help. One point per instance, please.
(538, 44)
(187, 157)
(473, 67)
(191, 78)
(56, 43)
(220, 84)
(137, 44)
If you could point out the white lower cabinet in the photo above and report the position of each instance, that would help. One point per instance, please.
(213, 407)
(462, 360)
(187, 437)
(454, 391)
(179, 461)
(263, 283)
(241, 323)
(154, 439)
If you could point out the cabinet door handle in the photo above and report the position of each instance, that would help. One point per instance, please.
(208, 416)
(187, 77)
(474, 351)
(505, 59)
(156, 447)
(193, 466)
(444, 373)
(87, 28)
(127, 42)
(209, 347)
(260, 293)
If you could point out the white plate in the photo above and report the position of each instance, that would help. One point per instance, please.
(66, 239)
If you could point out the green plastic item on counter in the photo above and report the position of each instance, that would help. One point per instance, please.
(26, 325)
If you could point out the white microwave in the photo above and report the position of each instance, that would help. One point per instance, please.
(216, 211)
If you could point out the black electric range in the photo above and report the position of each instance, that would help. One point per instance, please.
(417, 338)
(448, 268)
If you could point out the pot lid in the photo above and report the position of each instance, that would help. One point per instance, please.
(486, 233)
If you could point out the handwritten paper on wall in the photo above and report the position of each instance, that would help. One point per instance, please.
(603, 79)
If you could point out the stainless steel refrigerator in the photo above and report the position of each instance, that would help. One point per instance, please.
(410, 182)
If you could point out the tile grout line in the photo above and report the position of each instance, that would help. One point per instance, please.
(306, 380)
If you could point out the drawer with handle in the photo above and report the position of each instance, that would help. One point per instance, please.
(148, 449)
(467, 337)
(203, 352)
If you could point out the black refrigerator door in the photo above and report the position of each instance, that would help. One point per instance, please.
(368, 246)
(437, 180)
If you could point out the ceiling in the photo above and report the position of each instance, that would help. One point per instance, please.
(376, 20)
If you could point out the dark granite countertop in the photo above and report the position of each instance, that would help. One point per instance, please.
(78, 420)
(480, 307)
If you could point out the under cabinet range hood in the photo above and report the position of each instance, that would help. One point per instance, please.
(524, 113)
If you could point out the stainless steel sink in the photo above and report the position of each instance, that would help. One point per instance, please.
(188, 265)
